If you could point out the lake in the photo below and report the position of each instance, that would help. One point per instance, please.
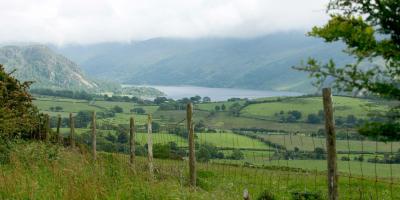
(216, 94)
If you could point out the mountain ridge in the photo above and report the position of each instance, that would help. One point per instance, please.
(43, 66)
(252, 63)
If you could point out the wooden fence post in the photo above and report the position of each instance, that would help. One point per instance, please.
(330, 144)
(58, 129)
(94, 134)
(150, 146)
(72, 130)
(132, 141)
(192, 157)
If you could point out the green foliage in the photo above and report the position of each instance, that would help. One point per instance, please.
(161, 151)
(195, 99)
(118, 109)
(206, 99)
(83, 118)
(236, 155)
(370, 29)
(266, 195)
(167, 151)
(208, 151)
(140, 111)
(306, 196)
(18, 116)
(234, 109)
(313, 119)
(295, 113)
(122, 137)
(63, 93)
(160, 100)
(290, 116)
(136, 91)
(155, 127)
(5, 150)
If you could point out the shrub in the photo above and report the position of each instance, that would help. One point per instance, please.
(138, 111)
(155, 127)
(345, 158)
(319, 153)
(236, 155)
(359, 158)
(161, 151)
(223, 107)
(18, 115)
(296, 114)
(313, 119)
(208, 151)
(266, 195)
(117, 109)
(82, 119)
(5, 149)
(306, 196)
(167, 151)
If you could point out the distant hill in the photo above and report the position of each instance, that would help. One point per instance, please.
(45, 67)
(256, 63)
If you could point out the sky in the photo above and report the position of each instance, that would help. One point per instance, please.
(93, 21)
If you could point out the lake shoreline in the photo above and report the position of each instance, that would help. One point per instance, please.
(216, 94)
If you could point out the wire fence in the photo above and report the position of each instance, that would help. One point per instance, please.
(285, 163)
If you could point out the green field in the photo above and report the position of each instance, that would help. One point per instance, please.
(262, 116)
(68, 105)
(255, 115)
(74, 106)
(230, 140)
(225, 121)
(344, 106)
(307, 143)
(161, 138)
(354, 168)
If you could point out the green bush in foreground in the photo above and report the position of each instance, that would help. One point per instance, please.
(18, 115)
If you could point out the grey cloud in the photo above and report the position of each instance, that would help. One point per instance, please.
(91, 21)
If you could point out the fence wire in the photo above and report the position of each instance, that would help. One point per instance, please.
(259, 160)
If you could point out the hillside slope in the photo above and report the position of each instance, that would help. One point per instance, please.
(46, 68)
(257, 63)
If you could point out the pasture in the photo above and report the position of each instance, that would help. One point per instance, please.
(308, 143)
(344, 106)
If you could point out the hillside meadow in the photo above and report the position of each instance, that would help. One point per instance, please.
(259, 114)
(344, 106)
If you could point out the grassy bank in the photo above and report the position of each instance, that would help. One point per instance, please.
(40, 171)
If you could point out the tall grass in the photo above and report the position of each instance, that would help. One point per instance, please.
(43, 171)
